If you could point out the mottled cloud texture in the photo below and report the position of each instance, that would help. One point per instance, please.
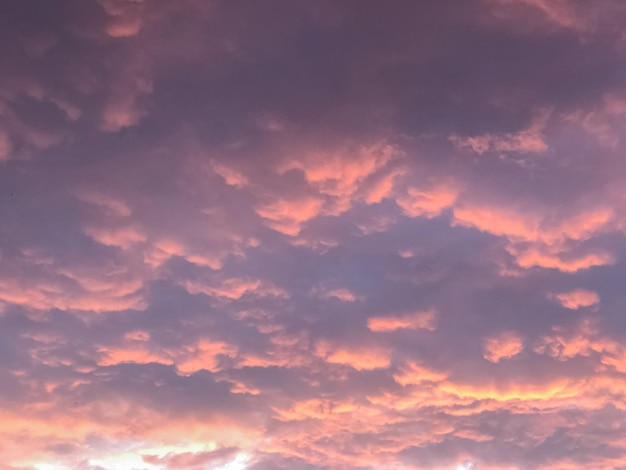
(312, 235)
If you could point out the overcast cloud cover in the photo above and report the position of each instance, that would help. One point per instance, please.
(312, 235)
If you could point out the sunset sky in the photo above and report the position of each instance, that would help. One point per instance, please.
(312, 235)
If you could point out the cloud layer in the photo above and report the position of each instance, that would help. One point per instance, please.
(312, 235)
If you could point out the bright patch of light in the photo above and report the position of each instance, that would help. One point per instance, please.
(466, 466)
(162, 451)
(121, 461)
(133, 458)
(240, 463)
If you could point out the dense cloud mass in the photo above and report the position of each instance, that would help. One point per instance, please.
(312, 235)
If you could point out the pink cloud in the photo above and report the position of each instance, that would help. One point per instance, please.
(230, 176)
(124, 27)
(498, 221)
(110, 205)
(5, 146)
(504, 346)
(360, 358)
(564, 343)
(427, 203)
(134, 355)
(343, 294)
(562, 13)
(125, 17)
(188, 359)
(123, 237)
(122, 108)
(382, 188)
(164, 249)
(529, 140)
(578, 298)
(236, 288)
(252, 250)
(341, 174)
(414, 374)
(204, 356)
(412, 321)
(121, 112)
(288, 216)
(536, 240)
(537, 258)
(45, 295)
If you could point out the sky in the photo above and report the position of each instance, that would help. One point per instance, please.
(312, 235)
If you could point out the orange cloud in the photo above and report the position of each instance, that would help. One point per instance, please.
(315, 408)
(135, 355)
(204, 356)
(563, 344)
(411, 321)
(359, 358)
(504, 346)
(557, 389)
(132, 430)
(414, 374)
